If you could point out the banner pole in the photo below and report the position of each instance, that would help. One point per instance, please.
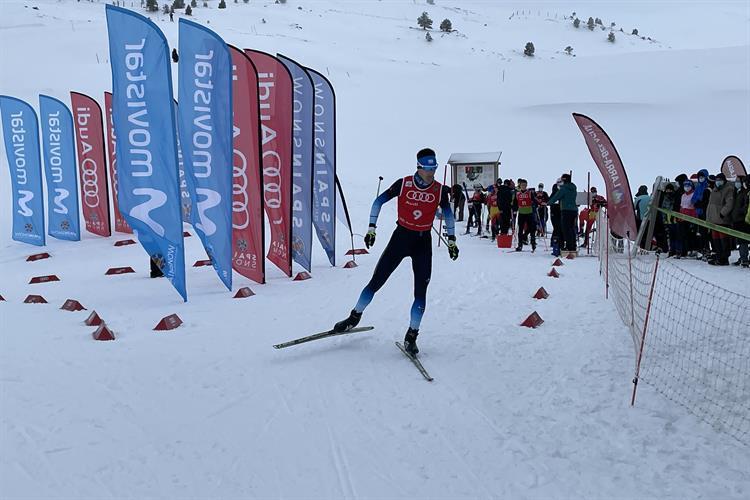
(588, 205)
(440, 231)
(606, 269)
(643, 336)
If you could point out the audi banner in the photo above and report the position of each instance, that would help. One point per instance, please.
(275, 97)
(247, 176)
(21, 137)
(58, 150)
(732, 167)
(205, 126)
(121, 225)
(302, 162)
(619, 200)
(324, 191)
(148, 184)
(92, 169)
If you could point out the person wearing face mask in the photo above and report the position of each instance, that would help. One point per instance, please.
(741, 202)
(719, 212)
(686, 231)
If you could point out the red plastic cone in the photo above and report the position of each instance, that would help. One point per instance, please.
(357, 251)
(571, 255)
(72, 305)
(201, 263)
(34, 299)
(558, 262)
(302, 276)
(122, 243)
(43, 279)
(350, 264)
(168, 322)
(553, 273)
(244, 292)
(119, 270)
(93, 319)
(533, 320)
(37, 256)
(103, 333)
(541, 293)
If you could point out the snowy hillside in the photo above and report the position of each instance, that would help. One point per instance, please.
(210, 410)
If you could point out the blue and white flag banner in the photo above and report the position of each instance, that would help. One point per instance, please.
(324, 164)
(205, 125)
(58, 151)
(302, 162)
(149, 190)
(21, 136)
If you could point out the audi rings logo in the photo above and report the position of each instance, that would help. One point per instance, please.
(90, 183)
(241, 219)
(272, 179)
(420, 196)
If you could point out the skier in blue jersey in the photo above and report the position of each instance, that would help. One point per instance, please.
(419, 196)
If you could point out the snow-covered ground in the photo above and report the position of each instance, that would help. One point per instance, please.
(211, 410)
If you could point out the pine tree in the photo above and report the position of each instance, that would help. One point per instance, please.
(635, 32)
(152, 5)
(193, 3)
(188, 11)
(529, 49)
(178, 4)
(576, 22)
(165, 9)
(569, 50)
(428, 37)
(431, 2)
(611, 37)
(424, 21)
(446, 26)
(598, 21)
(222, 4)
(591, 23)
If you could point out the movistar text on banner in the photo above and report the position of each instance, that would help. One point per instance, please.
(92, 169)
(58, 150)
(205, 118)
(324, 164)
(148, 184)
(121, 225)
(619, 198)
(275, 96)
(21, 137)
(247, 177)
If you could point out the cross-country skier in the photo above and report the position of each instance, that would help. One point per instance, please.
(419, 196)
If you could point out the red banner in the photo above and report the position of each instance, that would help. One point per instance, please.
(275, 99)
(732, 167)
(92, 169)
(247, 175)
(619, 198)
(121, 225)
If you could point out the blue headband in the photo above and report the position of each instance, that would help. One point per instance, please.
(428, 162)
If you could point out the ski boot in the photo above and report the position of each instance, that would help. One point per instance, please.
(347, 324)
(410, 342)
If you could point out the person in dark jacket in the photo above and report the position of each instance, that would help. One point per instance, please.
(542, 199)
(525, 204)
(741, 202)
(566, 196)
(701, 195)
(555, 218)
(505, 203)
(459, 201)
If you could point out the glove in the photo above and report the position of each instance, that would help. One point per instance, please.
(452, 248)
(370, 236)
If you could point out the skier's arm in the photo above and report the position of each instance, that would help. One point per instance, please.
(445, 206)
(384, 197)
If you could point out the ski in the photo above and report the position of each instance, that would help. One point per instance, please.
(416, 362)
(321, 335)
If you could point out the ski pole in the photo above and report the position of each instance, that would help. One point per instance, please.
(380, 179)
(440, 235)
(445, 175)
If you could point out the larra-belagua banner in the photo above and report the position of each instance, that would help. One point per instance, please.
(92, 166)
(732, 167)
(149, 191)
(121, 225)
(58, 150)
(21, 137)
(619, 200)
(324, 164)
(303, 100)
(275, 96)
(205, 127)
(185, 201)
(248, 241)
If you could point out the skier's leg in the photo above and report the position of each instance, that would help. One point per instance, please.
(392, 256)
(421, 264)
